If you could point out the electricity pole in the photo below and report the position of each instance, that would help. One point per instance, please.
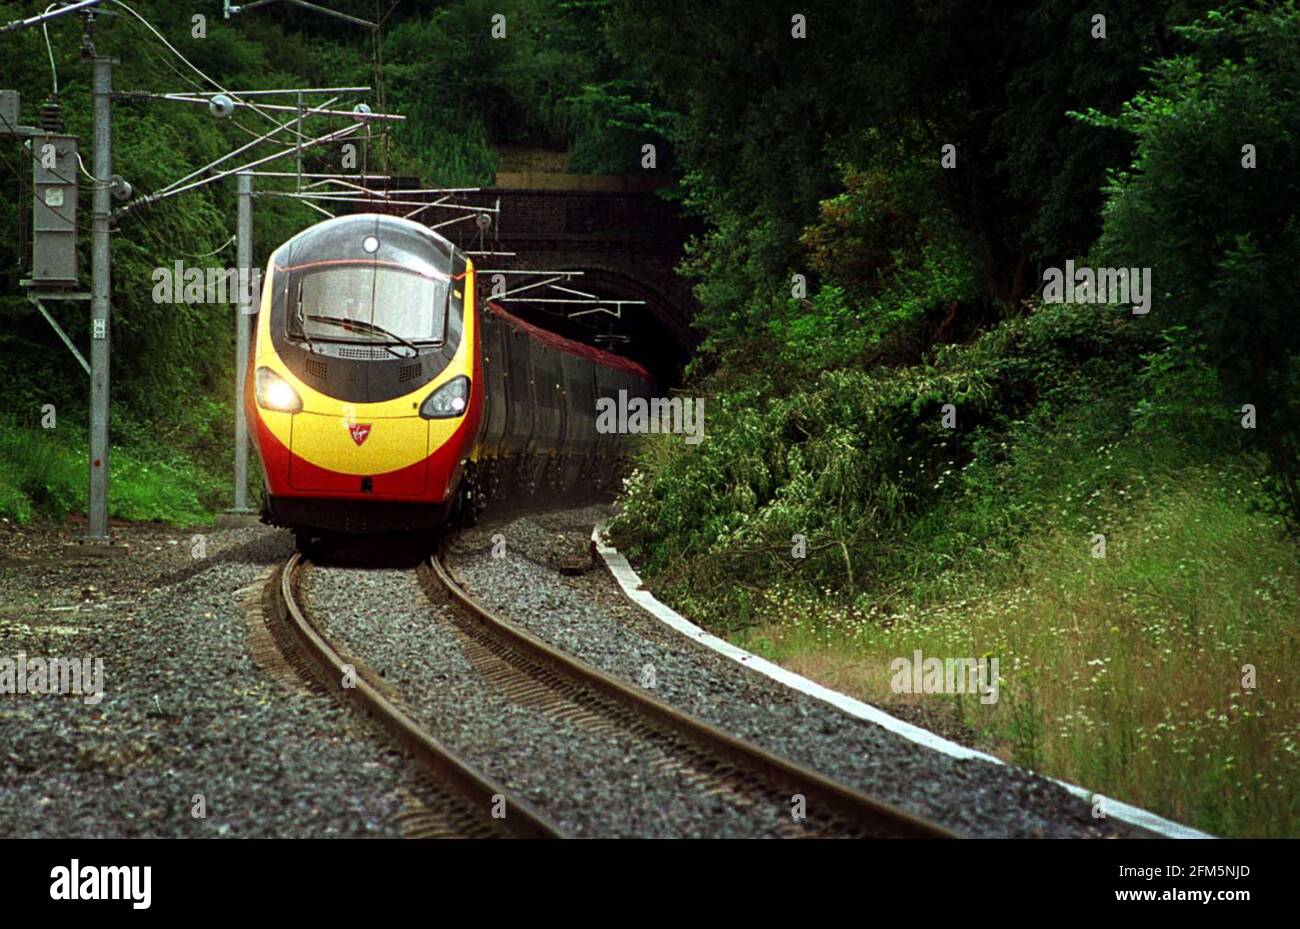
(100, 306)
(244, 273)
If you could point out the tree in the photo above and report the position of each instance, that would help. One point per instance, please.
(768, 120)
(1209, 203)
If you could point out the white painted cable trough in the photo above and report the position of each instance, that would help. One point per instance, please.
(631, 584)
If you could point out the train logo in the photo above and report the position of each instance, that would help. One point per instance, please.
(359, 431)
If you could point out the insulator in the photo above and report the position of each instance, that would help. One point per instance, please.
(52, 114)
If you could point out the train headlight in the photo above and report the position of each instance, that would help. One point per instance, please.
(275, 393)
(451, 399)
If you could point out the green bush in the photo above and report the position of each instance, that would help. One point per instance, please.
(860, 462)
(1222, 237)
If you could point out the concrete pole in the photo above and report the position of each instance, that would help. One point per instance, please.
(244, 253)
(100, 308)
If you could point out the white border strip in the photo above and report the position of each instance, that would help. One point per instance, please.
(630, 581)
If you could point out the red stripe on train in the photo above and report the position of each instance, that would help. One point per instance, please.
(424, 481)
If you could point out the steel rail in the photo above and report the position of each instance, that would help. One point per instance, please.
(479, 791)
(875, 817)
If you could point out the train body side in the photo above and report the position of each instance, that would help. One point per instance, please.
(538, 431)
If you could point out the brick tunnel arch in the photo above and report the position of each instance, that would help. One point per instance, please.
(625, 239)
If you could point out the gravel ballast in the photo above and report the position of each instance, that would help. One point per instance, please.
(592, 780)
(587, 614)
(186, 710)
(199, 712)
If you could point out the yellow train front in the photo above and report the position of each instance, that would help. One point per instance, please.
(382, 396)
(361, 378)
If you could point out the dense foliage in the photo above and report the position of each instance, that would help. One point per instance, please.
(1223, 240)
(827, 412)
(906, 448)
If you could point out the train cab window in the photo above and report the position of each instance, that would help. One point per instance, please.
(368, 302)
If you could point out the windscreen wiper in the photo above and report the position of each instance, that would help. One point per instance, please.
(365, 326)
(302, 321)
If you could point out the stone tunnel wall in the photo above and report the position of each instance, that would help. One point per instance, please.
(634, 237)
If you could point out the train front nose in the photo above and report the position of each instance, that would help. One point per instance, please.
(368, 350)
(383, 457)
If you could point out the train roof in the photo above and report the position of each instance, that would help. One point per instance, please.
(371, 237)
(573, 347)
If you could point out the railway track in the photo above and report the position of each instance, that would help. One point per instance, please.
(463, 799)
(529, 669)
(524, 669)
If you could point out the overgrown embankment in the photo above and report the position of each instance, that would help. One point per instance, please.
(906, 448)
(1140, 600)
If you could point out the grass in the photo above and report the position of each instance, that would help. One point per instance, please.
(43, 474)
(1125, 674)
(1157, 674)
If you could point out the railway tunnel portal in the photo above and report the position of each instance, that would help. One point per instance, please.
(619, 237)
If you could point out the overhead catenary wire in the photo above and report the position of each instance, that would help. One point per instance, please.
(154, 198)
(166, 61)
(319, 209)
(265, 137)
(95, 181)
(161, 237)
(293, 126)
(193, 67)
(138, 21)
(230, 240)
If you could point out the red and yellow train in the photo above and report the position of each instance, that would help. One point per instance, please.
(385, 394)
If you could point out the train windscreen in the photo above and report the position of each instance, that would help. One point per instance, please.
(368, 303)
